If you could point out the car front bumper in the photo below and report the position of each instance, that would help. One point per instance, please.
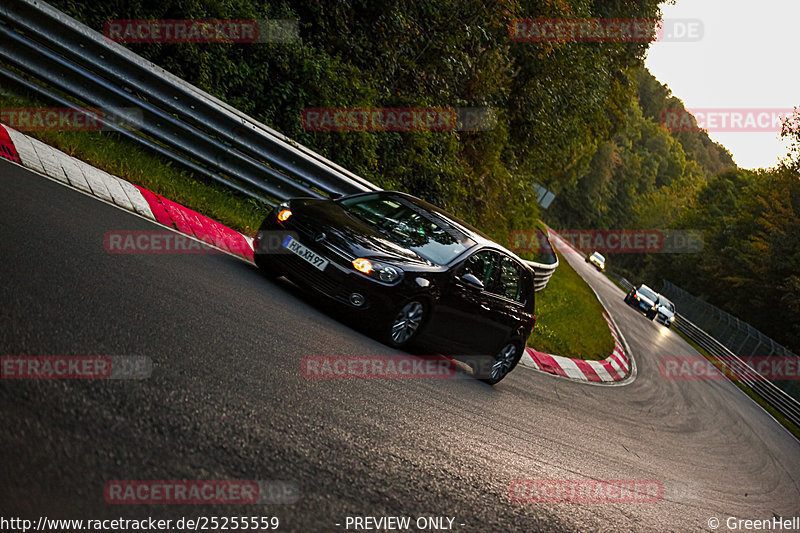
(338, 281)
(664, 320)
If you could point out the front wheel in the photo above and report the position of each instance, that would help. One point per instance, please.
(504, 362)
(406, 324)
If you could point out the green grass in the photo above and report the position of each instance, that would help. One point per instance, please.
(788, 424)
(569, 318)
(134, 163)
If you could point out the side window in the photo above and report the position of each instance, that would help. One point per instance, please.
(510, 282)
(482, 265)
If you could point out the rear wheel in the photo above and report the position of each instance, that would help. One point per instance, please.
(504, 362)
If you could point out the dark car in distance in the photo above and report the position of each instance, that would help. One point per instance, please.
(410, 269)
(644, 299)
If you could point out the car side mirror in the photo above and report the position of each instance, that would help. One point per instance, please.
(472, 281)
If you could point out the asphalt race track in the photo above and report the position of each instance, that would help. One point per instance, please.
(227, 400)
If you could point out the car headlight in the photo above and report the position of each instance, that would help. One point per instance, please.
(381, 271)
(284, 212)
(387, 273)
(672, 319)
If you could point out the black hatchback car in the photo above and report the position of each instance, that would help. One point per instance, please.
(411, 269)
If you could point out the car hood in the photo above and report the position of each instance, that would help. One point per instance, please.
(314, 217)
(665, 312)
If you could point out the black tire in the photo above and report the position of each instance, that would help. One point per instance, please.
(628, 299)
(502, 364)
(264, 265)
(406, 324)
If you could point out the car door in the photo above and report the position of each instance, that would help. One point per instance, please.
(463, 318)
(508, 299)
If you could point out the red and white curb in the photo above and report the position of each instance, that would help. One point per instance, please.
(36, 155)
(615, 367)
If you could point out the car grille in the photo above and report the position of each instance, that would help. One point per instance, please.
(304, 273)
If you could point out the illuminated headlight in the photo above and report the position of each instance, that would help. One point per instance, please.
(381, 271)
(284, 212)
(672, 319)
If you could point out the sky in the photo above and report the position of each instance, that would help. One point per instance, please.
(740, 55)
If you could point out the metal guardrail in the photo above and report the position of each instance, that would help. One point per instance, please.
(71, 64)
(763, 387)
(544, 271)
(60, 60)
(627, 285)
(736, 334)
(744, 373)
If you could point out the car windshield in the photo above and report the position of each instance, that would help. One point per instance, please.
(669, 306)
(429, 235)
(599, 257)
(647, 293)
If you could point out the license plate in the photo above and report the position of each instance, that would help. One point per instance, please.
(314, 259)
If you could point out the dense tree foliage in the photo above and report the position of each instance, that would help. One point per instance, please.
(647, 177)
(644, 175)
